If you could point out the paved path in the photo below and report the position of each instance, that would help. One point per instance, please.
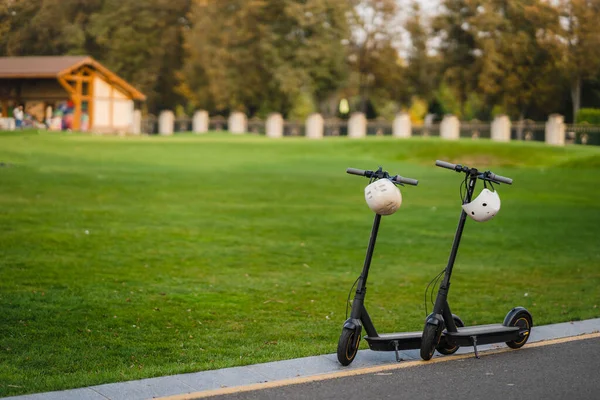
(560, 371)
(194, 385)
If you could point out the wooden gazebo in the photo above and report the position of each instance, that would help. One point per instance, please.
(91, 88)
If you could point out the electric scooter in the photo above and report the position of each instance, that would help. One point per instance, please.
(440, 329)
(349, 341)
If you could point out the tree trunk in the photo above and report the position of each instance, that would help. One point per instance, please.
(576, 96)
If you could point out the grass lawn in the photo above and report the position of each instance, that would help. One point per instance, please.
(125, 258)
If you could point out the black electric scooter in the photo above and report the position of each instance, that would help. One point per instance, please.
(440, 329)
(359, 317)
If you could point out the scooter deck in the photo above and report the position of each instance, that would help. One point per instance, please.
(485, 334)
(395, 341)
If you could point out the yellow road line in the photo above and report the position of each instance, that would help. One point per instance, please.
(364, 371)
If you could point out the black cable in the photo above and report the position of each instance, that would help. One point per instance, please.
(350, 293)
(435, 284)
(435, 278)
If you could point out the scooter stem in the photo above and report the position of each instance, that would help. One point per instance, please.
(362, 283)
(358, 304)
(442, 296)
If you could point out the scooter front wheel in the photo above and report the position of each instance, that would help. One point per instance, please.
(347, 346)
(446, 348)
(430, 340)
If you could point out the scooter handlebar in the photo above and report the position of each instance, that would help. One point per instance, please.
(356, 171)
(445, 164)
(382, 174)
(408, 181)
(500, 178)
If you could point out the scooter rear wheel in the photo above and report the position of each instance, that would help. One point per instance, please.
(347, 346)
(446, 348)
(430, 340)
(523, 321)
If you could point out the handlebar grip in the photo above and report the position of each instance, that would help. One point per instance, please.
(356, 171)
(445, 164)
(499, 178)
(408, 181)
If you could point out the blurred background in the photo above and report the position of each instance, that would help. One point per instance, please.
(471, 58)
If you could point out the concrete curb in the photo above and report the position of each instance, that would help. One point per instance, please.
(278, 370)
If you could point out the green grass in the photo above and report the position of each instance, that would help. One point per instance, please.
(125, 258)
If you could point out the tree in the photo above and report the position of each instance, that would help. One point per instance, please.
(142, 42)
(421, 72)
(458, 48)
(514, 70)
(578, 43)
(263, 54)
(374, 58)
(49, 27)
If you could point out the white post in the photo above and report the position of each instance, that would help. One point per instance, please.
(237, 123)
(402, 127)
(200, 122)
(136, 128)
(450, 127)
(166, 122)
(555, 130)
(357, 125)
(501, 128)
(274, 125)
(314, 126)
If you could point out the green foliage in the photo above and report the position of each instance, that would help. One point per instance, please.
(386, 109)
(448, 100)
(498, 110)
(474, 107)
(302, 106)
(417, 110)
(140, 41)
(421, 72)
(262, 53)
(377, 69)
(589, 115)
(180, 111)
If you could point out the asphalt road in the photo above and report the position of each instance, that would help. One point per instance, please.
(561, 371)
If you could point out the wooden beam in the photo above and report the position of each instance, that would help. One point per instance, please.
(66, 85)
(91, 100)
(111, 77)
(77, 78)
(110, 109)
(88, 70)
(77, 101)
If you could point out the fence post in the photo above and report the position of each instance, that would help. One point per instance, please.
(200, 122)
(501, 128)
(314, 126)
(402, 127)
(136, 127)
(7, 123)
(555, 130)
(357, 125)
(166, 122)
(450, 127)
(237, 123)
(274, 125)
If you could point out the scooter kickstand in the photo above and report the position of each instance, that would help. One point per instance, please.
(474, 339)
(398, 359)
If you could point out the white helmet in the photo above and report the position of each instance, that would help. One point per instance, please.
(484, 207)
(383, 197)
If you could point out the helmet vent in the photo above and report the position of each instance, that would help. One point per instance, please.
(484, 204)
(472, 212)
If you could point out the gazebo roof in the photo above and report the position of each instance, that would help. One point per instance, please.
(40, 67)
